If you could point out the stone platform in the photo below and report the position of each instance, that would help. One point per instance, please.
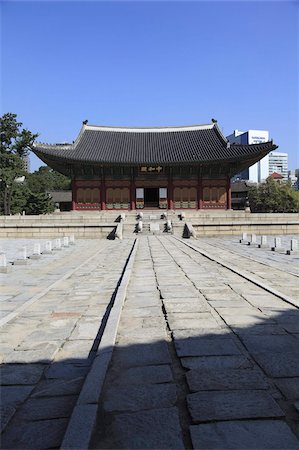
(102, 224)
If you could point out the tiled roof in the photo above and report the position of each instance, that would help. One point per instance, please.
(276, 176)
(239, 186)
(61, 196)
(173, 145)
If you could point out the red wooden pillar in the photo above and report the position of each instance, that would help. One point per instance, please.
(228, 194)
(170, 194)
(132, 195)
(103, 195)
(74, 195)
(200, 194)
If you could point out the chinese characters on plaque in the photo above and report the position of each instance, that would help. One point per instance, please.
(151, 169)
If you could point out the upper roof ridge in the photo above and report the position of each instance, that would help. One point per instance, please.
(148, 129)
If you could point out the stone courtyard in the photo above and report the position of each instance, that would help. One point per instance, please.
(150, 342)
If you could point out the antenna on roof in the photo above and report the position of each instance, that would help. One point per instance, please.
(85, 122)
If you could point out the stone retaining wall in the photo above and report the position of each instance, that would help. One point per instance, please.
(237, 227)
(80, 231)
(102, 225)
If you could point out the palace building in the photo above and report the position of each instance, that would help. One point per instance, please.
(187, 167)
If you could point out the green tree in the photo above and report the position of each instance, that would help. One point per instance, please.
(11, 167)
(38, 203)
(273, 197)
(20, 198)
(46, 179)
(15, 143)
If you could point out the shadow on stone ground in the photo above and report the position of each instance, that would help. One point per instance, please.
(228, 389)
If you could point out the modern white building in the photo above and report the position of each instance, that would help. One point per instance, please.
(26, 162)
(260, 170)
(293, 178)
(278, 162)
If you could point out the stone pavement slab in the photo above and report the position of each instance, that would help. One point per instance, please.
(217, 362)
(47, 408)
(154, 353)
(200, 316)
(221, 331)
(140, 397)
(75, 351)
(271, 344)
(246, 310)
(51, 334)
(152, 311)
(222, 405)
(142, 335)
(6, 414)
(142, 322)
(228, 303)
(188, 307)
(184, 299)
(177, 293)
(289, 387)
(291, 328)
(244, 435)
(48, 345)
(154, 429)
(42, 355)
(262, 301)
(177, 323)
(41, 434)
(57, 387)
(143, 301)
(145, 375)
(279, 365)
(263, 329)
(67, 371)
(223, 295)
(206, 347)
(225, 379)
(14, 395)
(86, 329)
(16, 374)
(245, 320)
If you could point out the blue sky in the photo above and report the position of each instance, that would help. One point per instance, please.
(146, 63)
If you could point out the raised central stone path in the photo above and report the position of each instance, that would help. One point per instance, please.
(204, 358)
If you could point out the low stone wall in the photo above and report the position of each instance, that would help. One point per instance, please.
(268, 224)
(80, 231)
(93, 226)
(214, 230)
